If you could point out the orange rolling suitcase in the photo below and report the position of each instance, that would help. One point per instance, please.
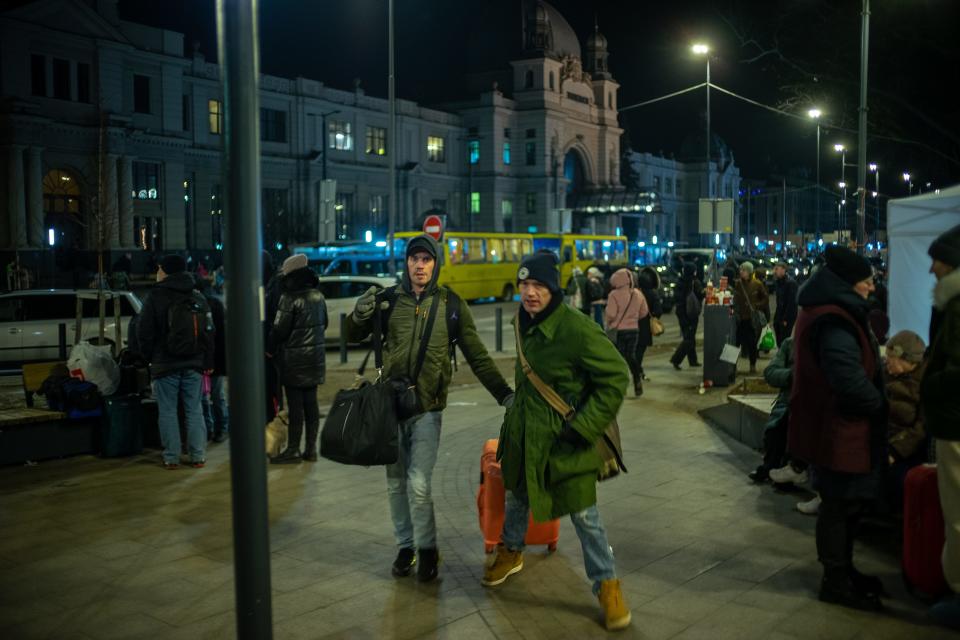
(491, 502)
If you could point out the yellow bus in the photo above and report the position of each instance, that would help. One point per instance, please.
(484, 265)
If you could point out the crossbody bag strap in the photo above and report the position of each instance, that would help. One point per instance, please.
(425, 340)
(626, 308)
(746, 294)
(546, 391)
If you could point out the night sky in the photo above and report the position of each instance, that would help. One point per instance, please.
(915, 59)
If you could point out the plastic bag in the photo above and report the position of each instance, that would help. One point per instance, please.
(767, 340)
(94, 364)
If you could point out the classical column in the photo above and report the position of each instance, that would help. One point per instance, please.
(16, 202)
(35, 197)
(125, 201)
(108, 208)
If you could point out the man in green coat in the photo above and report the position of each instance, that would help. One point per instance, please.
(550, 464)
(409, 479)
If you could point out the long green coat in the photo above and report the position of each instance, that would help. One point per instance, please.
(574, 356)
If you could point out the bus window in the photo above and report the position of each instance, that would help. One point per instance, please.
(474, 250)
(456, 250)
(526, 247)
(512, 250)
(567, 254)
(495, 250)
(619, 250)
(586, 249)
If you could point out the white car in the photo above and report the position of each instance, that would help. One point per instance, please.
(341, 294)
(30, 319)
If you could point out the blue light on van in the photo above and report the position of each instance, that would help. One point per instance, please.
(381, 243)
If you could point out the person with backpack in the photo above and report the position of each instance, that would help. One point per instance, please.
(297, 347)
(175, 333)
(689, 294)
(422, 322)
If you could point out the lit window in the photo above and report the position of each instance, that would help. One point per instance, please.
(340, 135)
(146, 180)
(474, 202)
(215, 109)
(376, 141)
(474, 147)
(506, 153)
(435, 149)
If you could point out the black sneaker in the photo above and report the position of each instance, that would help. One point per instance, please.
(844, 593)
(428, 566)
(759, 475)
(870, 585)
(290, 456)
(403, 565)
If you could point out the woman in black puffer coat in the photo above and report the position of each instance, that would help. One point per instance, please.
(296, 345)
(649, 282)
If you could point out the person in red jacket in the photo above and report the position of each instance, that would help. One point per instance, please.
(838, 416)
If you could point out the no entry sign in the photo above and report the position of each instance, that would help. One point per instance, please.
(433, 226)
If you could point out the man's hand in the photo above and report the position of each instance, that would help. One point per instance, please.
(508, 399)
(363, 310)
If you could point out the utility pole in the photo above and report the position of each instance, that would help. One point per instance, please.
(391, 143)
(862, 133)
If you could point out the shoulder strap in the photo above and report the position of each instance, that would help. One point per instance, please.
(546, 391)
(453, 317)
(625, 309)
(425, 339)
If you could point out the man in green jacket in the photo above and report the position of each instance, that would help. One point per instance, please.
(550, 463)
(941, 408)
(409, 479)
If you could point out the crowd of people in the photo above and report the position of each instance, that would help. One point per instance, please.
(847, 420)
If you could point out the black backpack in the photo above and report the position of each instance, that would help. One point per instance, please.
(186, 326)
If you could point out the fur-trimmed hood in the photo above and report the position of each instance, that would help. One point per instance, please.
(946, 290)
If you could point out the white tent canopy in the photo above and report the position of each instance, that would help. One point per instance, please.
(912, 225)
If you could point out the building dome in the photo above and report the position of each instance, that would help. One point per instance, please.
(548, 31)
(596, 41)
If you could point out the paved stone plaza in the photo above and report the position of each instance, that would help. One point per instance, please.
(94, 548)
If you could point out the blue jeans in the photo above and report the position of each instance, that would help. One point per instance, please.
(169, 390)
(597, 555)
(215, 413)
(409, 480)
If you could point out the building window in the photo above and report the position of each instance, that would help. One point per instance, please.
(435, 149)
(610, 101)
(528, 80)
(185, 115)
(339, 135)
(376, 141)
(148, 232)
(188, 221)
(376, 215)
(83, 82)
(473, 148)
(531, 204)
(343, 209)
(273, 125)
(506, 211)
(656, 183)
(141, 94)
(531, 153)
(506, 133)
(472, 131)
(531, 133)
(215, 109)
(474, 202)
(276, 218)
(61, 79)
(551, 81)
(146, 180)
(38, 75)
(506, 153)
(668, 186)
(680, 187)
(216, 216)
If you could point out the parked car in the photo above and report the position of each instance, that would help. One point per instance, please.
(30, 319)
(356, 264)
(341, 293)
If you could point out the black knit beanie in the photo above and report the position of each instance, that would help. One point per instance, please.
(946, 248)
(173, 264)
(542, 267)
(847, 265)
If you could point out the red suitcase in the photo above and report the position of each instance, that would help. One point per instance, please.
(923, 534)
(491, 502)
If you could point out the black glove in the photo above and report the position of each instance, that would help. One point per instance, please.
(572, 437)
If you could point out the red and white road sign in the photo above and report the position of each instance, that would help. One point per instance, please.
(433, 226)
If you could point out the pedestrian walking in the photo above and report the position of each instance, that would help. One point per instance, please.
(649, 282)
(751, 306)
(625, 306)
(785, 314)
(689, 297)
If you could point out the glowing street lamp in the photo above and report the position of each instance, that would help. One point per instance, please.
(909, 181)
(842, 150)
(702, 49)
(815, 115)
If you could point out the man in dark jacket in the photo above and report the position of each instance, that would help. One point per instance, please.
(941, 408)
(838, 416)
(689, 284)
(409, 480)
(215, 411)
(296, 345)
(271, 297)
(175, 333)
(786, 314)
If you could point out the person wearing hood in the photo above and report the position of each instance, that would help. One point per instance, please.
(689, 284)
(549, 462)
(175, 333)
(409, 479)
(625, 306)
(296, 345)
(648, 281)
(838, 417)
(941, 408)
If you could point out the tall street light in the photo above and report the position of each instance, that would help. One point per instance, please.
(842, 150)
(815, 114)
(909, 180)
(875, 170)
(701, 49)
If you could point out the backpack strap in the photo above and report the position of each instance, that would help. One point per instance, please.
(453, 323)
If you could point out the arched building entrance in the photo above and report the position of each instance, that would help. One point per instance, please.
(63, 208)
(573, 174)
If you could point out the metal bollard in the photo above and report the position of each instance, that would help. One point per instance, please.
(343, 338)
(62, 340)
(498, 340)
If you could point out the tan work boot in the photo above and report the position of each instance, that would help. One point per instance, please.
(616, 615)
(505, 564)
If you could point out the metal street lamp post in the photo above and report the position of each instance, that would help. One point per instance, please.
(842, 150)
(704, 50)
(815, 114)
(909, 180)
